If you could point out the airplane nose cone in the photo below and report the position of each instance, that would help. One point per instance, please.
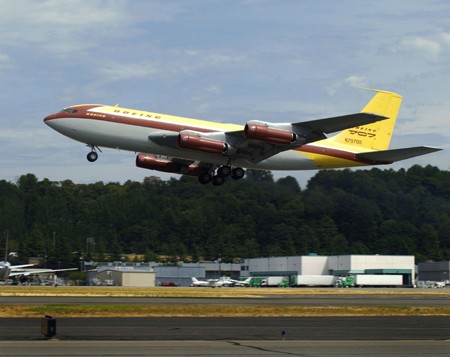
(49, 119)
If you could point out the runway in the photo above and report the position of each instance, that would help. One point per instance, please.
(391, 299)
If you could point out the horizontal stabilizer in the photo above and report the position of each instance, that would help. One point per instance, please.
(390, 156)
(331, 125)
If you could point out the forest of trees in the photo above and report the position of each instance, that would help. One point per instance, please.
(339, 212)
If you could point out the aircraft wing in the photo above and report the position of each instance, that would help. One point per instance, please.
(17, 267)
(308, 131)
(37, 271)
(390, 156)
(319, 127)
(255, 150)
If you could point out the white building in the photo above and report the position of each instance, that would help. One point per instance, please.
(129, 278)
(338, 265)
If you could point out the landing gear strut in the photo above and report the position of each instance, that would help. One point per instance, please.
(222, 173)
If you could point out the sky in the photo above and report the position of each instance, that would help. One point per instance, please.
(221, 60)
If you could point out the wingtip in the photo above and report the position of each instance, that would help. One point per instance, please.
(379, 91)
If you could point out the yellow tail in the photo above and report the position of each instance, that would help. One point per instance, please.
(375, 136)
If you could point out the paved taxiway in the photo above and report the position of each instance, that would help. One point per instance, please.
(235, 328)
(225, 348)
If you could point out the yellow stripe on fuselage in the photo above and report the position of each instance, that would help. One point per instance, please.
(323, 161)
(189, 122)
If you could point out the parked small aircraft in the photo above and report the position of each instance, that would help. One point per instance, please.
(212, 283)
(245, 282)
(213, 151)
(22, 272)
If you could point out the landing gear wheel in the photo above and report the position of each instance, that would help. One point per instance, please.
(218, 180)
(224, 171)
(204, 178)
(92, 156)
(237, 173)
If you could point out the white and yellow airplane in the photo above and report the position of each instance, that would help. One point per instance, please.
(213, 151)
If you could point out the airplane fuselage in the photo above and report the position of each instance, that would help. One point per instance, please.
(213, 151)
(133, 130)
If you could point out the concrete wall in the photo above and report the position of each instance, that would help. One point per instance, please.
(314, 265)
(363, 262)
(434, 271)
(181, 276)
(138, 279)
(126, 278)
(306, 265)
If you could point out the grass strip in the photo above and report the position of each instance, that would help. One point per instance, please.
(78, 310)
(204, 292)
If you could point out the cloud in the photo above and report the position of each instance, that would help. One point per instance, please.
(169, 63)
(356, 81)
(5, 62)
(432, 46)
(123, 71)
(445, 36)
(352, 81)
(63, 27)
(423, 46)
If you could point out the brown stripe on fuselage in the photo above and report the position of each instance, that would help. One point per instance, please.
(157, 123)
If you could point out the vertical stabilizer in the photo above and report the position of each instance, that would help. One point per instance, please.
(375, 136)
(6, 247)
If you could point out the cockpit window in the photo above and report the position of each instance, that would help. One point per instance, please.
(69, 110)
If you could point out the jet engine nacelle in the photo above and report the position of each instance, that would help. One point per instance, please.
(263, 132)
(199, 143)
(151, 162)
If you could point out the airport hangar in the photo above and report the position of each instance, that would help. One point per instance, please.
(434, 271)
(157, 274)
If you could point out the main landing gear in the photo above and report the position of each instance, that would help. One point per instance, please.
(222, 172)
(93, 156)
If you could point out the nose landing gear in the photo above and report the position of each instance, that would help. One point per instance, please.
(93, 156)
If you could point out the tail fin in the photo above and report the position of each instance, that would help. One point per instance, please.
(6, 247)
(375, 136)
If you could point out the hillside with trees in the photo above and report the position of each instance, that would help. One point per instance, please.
(339, 212)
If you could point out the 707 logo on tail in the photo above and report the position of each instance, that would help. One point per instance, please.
(362, 133)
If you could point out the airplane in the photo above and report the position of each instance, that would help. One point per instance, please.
(245, 282)
(8, 271)
(213, 151)
(439, 284)
(213, 283)
(435, 284)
